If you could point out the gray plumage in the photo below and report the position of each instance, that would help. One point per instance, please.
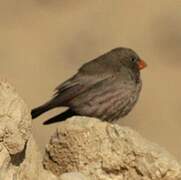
(107, 87)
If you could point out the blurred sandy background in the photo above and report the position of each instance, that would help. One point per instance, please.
(43, 42)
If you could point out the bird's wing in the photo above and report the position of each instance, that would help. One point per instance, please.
(75, 86)
(106, 99)
(88, 75)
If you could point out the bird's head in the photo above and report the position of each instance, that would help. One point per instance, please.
(128, 58)
(127, 63)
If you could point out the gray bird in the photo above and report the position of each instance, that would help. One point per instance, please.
(106, 88)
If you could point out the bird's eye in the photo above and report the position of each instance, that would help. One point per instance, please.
(133, 59)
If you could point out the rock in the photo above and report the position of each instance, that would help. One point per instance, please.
(19, 156)
(104, 151)
(15, 121)
(73, 176)
(81, 149)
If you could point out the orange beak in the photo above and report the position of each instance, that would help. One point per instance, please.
(141, 64)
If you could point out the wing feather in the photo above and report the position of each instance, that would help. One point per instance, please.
(74, 87)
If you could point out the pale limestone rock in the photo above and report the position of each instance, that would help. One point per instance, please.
(105, 151)
(15, 121)
(82, 149)
(73, 176)
(19, 156)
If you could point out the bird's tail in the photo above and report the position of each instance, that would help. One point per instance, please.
(41, 109)
(60, 117)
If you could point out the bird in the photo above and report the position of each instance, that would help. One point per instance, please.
(106, 87)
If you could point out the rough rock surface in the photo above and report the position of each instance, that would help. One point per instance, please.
(81, 149)
(19, 156)
(73, 176)
(106, 151)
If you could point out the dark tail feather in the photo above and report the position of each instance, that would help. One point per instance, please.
(40, 110)
(61, 117)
